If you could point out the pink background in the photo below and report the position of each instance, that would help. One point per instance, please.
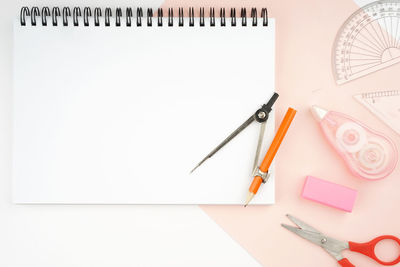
(305, 34)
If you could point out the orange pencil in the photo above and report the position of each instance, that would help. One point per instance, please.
(261, 174)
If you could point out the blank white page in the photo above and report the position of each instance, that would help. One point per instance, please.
(120, 115)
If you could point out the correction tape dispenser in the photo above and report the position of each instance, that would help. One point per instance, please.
(367, 153)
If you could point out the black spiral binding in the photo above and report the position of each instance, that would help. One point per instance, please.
(191, 17)
(98, 18)
(233, 17)
(76, 12)
(243, 16)
(55, 12)
(66, 13)
(170, 17)
(149, 17)
(87, 12)
(24, 12)
(45, 14)
(222, 17)
(254, 16)
(34, 12)
(202, 22)
(139, 15)
(107, 15)
(160, 17)
(118, 15)
(264, 15)
(181, 17)
(212, 17)
(129, 15)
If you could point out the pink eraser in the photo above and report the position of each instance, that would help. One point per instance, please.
(329, 194)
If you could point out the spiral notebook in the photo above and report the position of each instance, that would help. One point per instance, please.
(116, 106)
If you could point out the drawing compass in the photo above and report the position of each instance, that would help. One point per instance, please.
(260, 116)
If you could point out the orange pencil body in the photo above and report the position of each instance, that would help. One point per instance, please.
(266, 163)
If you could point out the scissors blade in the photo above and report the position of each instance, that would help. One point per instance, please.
(310, 236)
(302, 224)
(259, 144)
(227, 140)
(332, 246)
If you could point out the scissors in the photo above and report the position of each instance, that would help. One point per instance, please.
(335, 247)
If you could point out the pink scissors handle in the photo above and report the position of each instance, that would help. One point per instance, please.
(368, 249)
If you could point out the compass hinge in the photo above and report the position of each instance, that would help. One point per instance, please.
(264, 175)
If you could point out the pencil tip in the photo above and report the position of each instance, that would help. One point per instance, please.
(250, 196)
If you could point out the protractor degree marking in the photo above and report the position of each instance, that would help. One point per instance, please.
(387, 64)
(397, 29)
(376, 40)
(373, 49)
(378, 37)
(366, 55)
(365, 50)
(383, 35)
(366, 64)
(366, 38)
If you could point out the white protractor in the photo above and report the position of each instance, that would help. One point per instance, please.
(368, 41)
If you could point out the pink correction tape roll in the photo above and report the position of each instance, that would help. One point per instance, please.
(367, 153)
(330, 194)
